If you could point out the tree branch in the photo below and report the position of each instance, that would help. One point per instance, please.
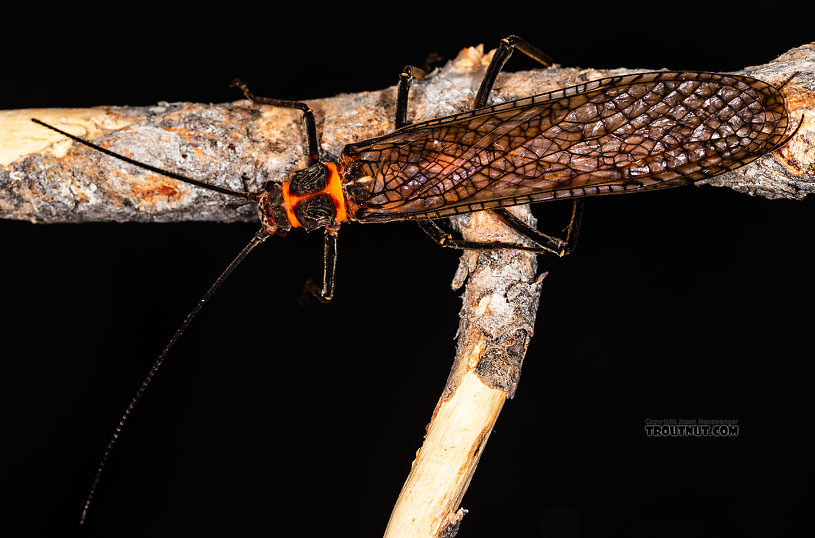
(45, 178)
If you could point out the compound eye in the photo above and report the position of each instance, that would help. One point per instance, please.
(269, 185)
(316, 212)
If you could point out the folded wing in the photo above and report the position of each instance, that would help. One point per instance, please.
(629, 133)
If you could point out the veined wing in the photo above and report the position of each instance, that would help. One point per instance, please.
(620, 134)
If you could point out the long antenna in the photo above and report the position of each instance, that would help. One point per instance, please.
(259, 237)
(223, 190)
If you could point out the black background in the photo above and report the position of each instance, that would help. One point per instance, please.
(276, 418)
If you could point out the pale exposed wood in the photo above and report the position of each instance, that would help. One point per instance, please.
(44, 179)
(20, 137)
(496, 323)
(446, 462)
(429, 504)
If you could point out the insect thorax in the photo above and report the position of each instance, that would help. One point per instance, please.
(313, 198)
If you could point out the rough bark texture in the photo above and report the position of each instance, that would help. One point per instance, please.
(497, 317)
(45, 178)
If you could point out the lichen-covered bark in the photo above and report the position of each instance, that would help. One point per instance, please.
(45, 178)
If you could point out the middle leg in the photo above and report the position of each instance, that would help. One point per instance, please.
(499, 59)
(507, 45)
(405, 78)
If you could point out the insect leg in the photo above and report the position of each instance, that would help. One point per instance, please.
(546, 242)
(405, 78)
(500, 58)
(447, 240)
(312, 149)
(325, 291)
(572, 231)
(558, 246)
(508, 44)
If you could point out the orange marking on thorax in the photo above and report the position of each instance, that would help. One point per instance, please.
(333, 188)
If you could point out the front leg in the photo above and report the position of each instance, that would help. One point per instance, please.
(312, 143)
(324, 292)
